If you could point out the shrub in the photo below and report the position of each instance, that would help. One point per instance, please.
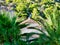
(52, 26)
(9, 29)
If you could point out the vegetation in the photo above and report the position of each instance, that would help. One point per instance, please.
(9, 30)
(52, 26)
(45, 12)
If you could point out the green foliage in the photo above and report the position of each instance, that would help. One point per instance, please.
(24, 8)
(52, 26)
(35, 13)
(10, 28)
